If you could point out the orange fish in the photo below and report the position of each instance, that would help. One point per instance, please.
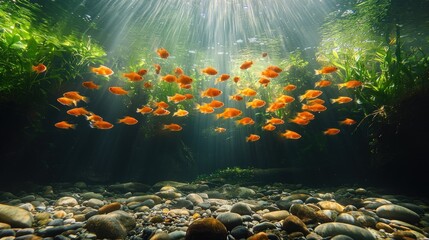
(236, 97)
(310, 94)
(350, 84)
(185, 86)
(209, 71)
(102, 70)
(148, 85)
(144, 110)
(285, 99)
(315, 101)
(176, 98)
(103, 125)
(222, 78)
(211, 92)
(236, 79)
(341, 100)
(248, 92)
(65, 125)
(270, 73)
(253, 138)
(216, 104)
(289, 87)
(275, 106)
(161, 112)
(172, 127)
(67, 101)
(326, 70)
(181, 113)
(275, 121)
(90, 85)
(169, 78)
(75, 96)
(245, 121)
(269, 127)
(246, 65)
(93, 117)
(78, 111)
(288, 134)
(189, 96)
(264, 54)
(142, 72)
(118, 91)
(128, 120)
(305, 115)
(314, 107)
(331, 131)
(275, 68)
(323, 83)
(184, 79)
(162, 53)
(264, 81)
(256, 103)
(347, 121)
(300, 121)
(178, 71)
(133, 76)
(161, 104)
(39, 68)
(157, 68)
(205, 108)
(220, 129)
(229, 113)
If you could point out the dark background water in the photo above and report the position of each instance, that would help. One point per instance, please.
(125, 154)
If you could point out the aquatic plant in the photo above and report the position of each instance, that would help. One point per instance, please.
(26, 40)
(378, 55)
(231, 175)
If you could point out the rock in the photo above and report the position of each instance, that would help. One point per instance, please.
(396, 212)
(66, 202)
(143, 198)
(89, 195)
(105, 226)
(7, 233)
(160, 236)
(207, 229)
(384, 226)
(94, 203)
(183, 203)
(241, 208)
(4, 226)
(304, 212)
(230, 220)
(194, 198)
(129, 187)
(335, 228)
(124, 218)
(331, 206)
(259, 236)
(403, 235)
(294, 224)
(342, 237)
(276, 215)
(263, 226)
(109, 208)
(177, 235)
(241, 232)
(15, 216)
(345, 218)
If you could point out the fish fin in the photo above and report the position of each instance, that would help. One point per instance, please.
(317, 72)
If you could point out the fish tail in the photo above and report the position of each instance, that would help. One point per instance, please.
(85, 99)
(248, 104)
(340, 85)
(219, 115)
(197, 106)
(333, 100)
(169, 98)
(317, 72)
(301, 98)
(164, 127)
(304, 107)
(73, 126)
(247, 139)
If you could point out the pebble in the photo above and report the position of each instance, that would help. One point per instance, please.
(176, 211)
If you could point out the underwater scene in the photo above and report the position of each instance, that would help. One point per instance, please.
(214, 119)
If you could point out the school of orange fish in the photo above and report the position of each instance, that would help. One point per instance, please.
(311, 105)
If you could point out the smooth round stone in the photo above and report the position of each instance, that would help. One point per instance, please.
(89, 195)
(304, 212)
(94, 203)
(342, 237)
(4, 226)
(24, 231)
(294, 224)
(345, 218)
(66, 202)
(396, 212)
(240, 232)
(56, 222)
(276, 215)
(109, 207)
(384, 226)
(241, 208)
(143, 198)
(28, 198)
(177, 235)
(7, 233)
(366, 221)
(335, 228)
(263, 226)
(195, 198)
(230, 220)
(160, 236)
(15, 216)
(328, 205)
(105, 226)
(183, 203)
(207, 229)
